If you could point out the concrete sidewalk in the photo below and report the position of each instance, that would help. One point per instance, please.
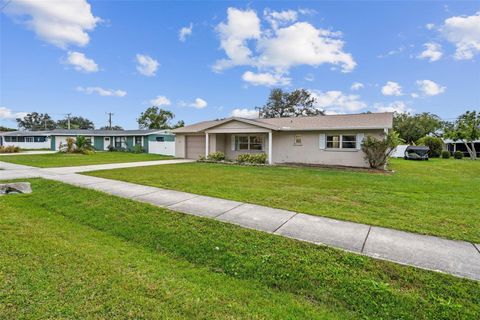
(27, 153)
(458, 258)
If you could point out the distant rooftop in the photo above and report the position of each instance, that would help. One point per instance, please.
(66, 132)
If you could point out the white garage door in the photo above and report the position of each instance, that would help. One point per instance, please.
(194, 147)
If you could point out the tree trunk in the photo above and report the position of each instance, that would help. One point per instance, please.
(470, 152)
(474, 151)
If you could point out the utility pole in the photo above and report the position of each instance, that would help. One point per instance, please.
(110, 114)
(68, 120)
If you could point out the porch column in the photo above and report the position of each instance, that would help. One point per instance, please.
(270, 147)
(207, 147)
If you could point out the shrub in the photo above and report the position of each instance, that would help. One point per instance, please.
(254, 158)
(138, 149)
(446, 154)
(458, 155)
(216, 156)
(435, 144)
(377, 151)
(9, 149)
(201, 158)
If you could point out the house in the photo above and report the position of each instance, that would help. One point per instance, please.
(325, 140)
(458, 145)
(152, 141)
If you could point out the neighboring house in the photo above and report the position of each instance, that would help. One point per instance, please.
(152, 141)
(325, 140)
(458, 145)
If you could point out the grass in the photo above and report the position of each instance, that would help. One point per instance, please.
(437, 197)
(75, 159)
(71, 253)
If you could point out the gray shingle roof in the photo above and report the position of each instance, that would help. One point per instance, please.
(59, 132)
(329, 122)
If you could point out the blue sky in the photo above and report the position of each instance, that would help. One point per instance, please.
(89, 58)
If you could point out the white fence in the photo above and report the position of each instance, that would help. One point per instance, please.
(162, 147)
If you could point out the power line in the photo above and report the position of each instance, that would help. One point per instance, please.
(110, 114)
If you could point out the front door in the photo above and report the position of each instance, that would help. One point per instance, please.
(106, 143)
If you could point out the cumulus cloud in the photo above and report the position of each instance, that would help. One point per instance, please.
(61, 23)
(80, 62)
(160, 101)
(356, 86)
(265, 79)
(433, 52)
(337, 102)
(392, 89)
(199, 103)
(287, 44)
(429, 26)
(8, 114)
(146, 65)
(464, 33)
(430, 88)
(396, 106)
(244, 113)
(102, 92)
(185, 32)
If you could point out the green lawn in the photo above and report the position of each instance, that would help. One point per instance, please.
(67, 252)
(69, 160)
(437, 197)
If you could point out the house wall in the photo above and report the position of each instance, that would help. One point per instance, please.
(285, 150)
(29, 145)
(166, 147)
(98, 143)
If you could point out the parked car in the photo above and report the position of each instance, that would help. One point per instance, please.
(416, 153)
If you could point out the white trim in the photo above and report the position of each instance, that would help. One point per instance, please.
(207, 140)
(360, 137)
(232, 142)
(322, 141)
(270, 138)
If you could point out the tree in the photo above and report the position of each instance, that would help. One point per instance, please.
(377, 151)
(282, 104)
(465, 129)
(410, 128)
(36, 121)
(5, 129)
(76, 123)
(113, 128)
(156, 118)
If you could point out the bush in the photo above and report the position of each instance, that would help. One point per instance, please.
(446, 154)
(458, 155)
(216, 156)
(254, 158)
(138, 149)
(9, 149)
(435, 144)
(377, 151)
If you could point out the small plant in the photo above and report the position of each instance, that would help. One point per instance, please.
(458, 155)
(138, 149)
(377, 151)
(216, 156)
(201, 158)
(446, 154)
(9, 149)
(435, 144)
(253, 158)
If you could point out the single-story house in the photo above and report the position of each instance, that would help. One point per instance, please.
(325, 140)
(458, 145)
(152, 141)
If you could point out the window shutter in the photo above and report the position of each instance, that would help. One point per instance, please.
(233, 142)
(322, 141)
(360, 137)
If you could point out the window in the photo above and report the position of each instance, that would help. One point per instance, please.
(138, 141)
(120, 142)
(298, 140)
(21, 139)
(39, 139)
(160, 139)
(28, 139)
(249, 143)
(14, 139)
(8, 139)
(340, 141)
(333, 142)
(349, 141)
(107, 138)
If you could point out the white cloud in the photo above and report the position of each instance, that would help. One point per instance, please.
(280, 48)
(309, 77)
(61, 23)
(147, 65)
(356, 86)
(81, 63)
(396, 106)
(244, 113)
(464, 33)
(8, 114)
(160, 101)
(185, 32)
(392, 89)
(102, 92)
(433, 51)
(430, 88)
(265, 79)
(279, 18)
(198, 104)
(429, 26)
(338, 102)
(415, 95)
